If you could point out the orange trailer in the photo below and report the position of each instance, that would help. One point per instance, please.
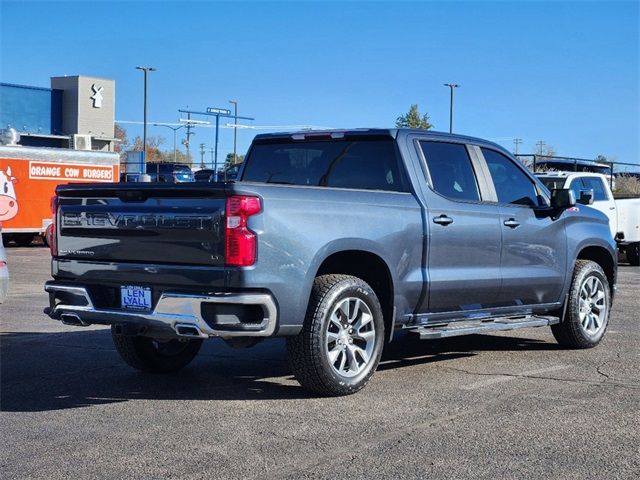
(29, 176)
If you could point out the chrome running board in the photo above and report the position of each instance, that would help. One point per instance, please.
(468, 327)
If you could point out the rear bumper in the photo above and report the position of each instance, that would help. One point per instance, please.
(175, 314)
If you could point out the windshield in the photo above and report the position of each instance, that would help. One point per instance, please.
(366, 164)
(552, 183)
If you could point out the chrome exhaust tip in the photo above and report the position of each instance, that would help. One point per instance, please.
(187, 330)
(73, 320)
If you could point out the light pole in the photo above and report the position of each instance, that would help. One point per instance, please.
(145, 70)
(175, 129)
(235, 128)
(451, 87)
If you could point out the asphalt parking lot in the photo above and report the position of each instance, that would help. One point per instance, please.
(509, 405)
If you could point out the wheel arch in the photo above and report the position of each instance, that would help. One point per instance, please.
(602, 256)
(371, 268)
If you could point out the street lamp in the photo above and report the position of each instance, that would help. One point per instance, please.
(175, 129)
(235, 128)
(451, 87)
(145, 70)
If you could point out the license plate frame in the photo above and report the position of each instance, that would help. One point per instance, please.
(135, 297)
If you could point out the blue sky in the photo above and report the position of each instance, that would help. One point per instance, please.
(563, 72)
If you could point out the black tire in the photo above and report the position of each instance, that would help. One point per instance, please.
(156, 356)
(571, 331)
(308, 352)
(633, 254)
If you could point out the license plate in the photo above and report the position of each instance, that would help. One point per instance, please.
(135, 298)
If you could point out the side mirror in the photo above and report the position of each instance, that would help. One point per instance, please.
(586, 197)
(562, 198)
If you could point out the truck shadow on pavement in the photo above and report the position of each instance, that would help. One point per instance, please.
(55, 371)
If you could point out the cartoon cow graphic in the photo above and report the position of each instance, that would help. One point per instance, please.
(8, 202)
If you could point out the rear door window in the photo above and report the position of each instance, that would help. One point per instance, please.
(450, 170)
(360, 164)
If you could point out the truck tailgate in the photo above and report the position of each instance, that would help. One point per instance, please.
(142, 223)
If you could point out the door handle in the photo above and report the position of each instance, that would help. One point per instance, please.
(443, 220)
(511, 223)
(612, 208)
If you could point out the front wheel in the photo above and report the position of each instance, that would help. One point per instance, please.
(155, 355)
(587, 313)
(340, 345)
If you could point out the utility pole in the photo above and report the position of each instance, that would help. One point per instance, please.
(540, 146)
(235, 128)
(189, 133)
(516, 142)
(202, 155)
(145, 70)
(451, 87)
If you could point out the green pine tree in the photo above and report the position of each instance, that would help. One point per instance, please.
(413, 119)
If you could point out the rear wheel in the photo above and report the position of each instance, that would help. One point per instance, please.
(633, 254)
(339, 347)
(587, 314)
(155, 355)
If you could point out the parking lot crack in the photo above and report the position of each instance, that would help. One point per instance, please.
(503, 376)
(600, 372)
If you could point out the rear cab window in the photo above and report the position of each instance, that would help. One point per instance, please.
(352, 164)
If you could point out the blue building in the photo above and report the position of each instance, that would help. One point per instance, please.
(76, 112)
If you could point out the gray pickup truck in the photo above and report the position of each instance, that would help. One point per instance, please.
(334, 240)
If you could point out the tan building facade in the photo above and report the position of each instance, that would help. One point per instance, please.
(88, 109)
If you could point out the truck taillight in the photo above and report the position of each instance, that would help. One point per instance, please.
(51, 229)
(240, 242)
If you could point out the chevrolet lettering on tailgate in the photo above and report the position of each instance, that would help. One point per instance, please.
(128, 220)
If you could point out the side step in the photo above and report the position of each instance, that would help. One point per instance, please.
(469, 327)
